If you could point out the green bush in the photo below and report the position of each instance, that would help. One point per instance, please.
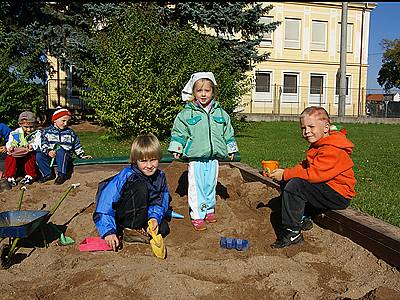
(141, 67)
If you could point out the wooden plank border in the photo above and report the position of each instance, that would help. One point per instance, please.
(375, 235)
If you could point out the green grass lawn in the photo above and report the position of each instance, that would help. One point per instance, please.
(376, 158)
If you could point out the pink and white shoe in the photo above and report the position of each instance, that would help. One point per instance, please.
(210, 218)
(199, 225)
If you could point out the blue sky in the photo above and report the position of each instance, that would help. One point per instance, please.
(384, 23)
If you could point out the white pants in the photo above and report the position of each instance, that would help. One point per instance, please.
(202, 178)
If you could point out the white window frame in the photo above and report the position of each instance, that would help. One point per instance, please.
(312, 99)
(350, 27)
(316, 45)
(290, 98)
(263, 96)
(267, 37)
(296, 43)
(349, 85)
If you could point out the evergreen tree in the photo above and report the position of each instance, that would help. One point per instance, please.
(236, 24)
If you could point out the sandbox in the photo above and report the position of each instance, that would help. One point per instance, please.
(327, 266)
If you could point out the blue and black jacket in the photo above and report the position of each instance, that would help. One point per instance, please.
(109, 196)
(65, 138)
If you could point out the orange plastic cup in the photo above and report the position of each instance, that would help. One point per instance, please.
(268, 166)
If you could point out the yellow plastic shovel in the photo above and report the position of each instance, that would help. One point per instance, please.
(157, 243)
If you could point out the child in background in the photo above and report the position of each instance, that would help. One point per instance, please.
(25, 140)
(323, 181)
(58, 141)
(4, 134)
(138, 193)
(202, 133)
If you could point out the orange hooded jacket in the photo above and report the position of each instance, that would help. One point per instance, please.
(328, 160)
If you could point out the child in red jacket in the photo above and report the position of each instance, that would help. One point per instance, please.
(323, 181)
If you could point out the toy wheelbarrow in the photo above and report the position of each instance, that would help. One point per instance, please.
(18, 224)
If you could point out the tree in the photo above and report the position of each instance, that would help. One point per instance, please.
(29, 31)
(389, 74)
(141, 67)
(69, 29)
(236, 24)
(61, 29)
(17, 91)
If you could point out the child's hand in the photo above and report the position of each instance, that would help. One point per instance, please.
(52, 153)
(231, 156)
(112, 241)
(11, 149)
(276, 174)
(176, 155)
(30, 148)
(86, 156)
(154, 224)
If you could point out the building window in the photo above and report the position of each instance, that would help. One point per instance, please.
(348, 88)
(290, 88)
(263, 82)
(263, 91)
(318, 35)
(267, 37)
(317, 90)
(349, 37)
(292, 33)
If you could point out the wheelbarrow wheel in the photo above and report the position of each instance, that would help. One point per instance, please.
(4, 255)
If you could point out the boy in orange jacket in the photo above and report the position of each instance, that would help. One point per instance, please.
(323, 181)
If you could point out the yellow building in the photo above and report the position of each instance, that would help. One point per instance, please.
(305, 59)
(63, 88)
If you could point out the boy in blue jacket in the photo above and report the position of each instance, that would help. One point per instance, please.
(58, 143)
(138, 193)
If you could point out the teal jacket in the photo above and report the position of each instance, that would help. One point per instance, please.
(197, 134)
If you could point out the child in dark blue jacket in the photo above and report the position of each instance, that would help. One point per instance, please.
(58, 143)
(138, 193)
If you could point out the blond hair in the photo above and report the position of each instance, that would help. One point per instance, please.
(203, 81)
(145, 146)
(316, 111)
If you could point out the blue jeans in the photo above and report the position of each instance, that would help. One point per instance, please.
(63, 160)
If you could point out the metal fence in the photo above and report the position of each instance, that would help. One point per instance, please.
(280, 100)
(382, 104)
(267, 99)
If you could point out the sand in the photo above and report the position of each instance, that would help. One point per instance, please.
(325, 266)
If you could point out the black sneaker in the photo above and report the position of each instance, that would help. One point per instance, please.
(287, 238)
(26, 180)
(60, 179)
(47, 178)
(306, 224)
(135, 236)
(11, 182)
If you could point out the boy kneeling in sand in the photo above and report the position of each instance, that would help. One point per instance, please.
(138, 193)
(323, 181)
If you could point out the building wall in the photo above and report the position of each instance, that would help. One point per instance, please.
(56, 86)
(303, 61)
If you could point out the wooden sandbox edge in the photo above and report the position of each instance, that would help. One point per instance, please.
(377, 236)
